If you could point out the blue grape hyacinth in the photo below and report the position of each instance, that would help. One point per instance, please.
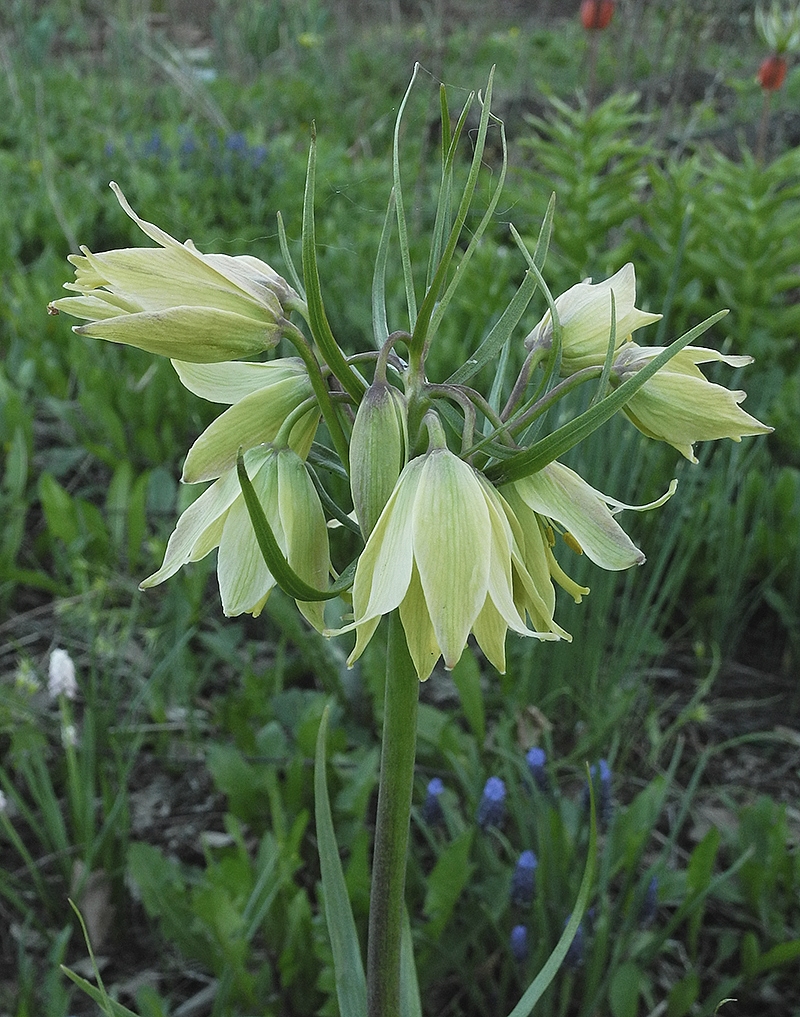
(492, 806)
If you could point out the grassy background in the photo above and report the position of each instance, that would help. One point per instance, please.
(180, 818)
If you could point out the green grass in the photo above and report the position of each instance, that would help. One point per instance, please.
(218, 717)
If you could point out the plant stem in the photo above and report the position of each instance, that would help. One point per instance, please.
(391, 827)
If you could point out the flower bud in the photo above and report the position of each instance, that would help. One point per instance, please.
(596, 14)
(574, 957)
(772, 73)
(378, 450)
(61, 676)
(536, 758)
(649, 908)
(432, 807)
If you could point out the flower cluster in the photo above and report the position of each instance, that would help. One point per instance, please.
(552, 825)
(463, 533)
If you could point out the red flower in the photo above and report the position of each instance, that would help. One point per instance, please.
(596, 14)
(772, 73)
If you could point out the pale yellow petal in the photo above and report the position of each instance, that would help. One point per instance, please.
(199, 334)
(228, 382)
(423, 646)
(189, 533)
(451, 525)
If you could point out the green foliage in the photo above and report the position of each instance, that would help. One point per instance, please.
(90, 439)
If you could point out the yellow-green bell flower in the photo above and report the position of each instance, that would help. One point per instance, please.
(219, 518)
(584, 312)
(261, 396)
(679, 405)
(562, 496)
(558, 496)
(443, 552)
(174, 301)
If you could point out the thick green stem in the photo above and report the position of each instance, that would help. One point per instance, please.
(391, 827)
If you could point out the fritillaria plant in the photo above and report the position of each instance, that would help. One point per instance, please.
(779, 28)
(459, 499)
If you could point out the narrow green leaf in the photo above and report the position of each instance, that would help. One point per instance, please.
(284, 574)
(317, 319)
(294, 275)
(97, 992)
(540, 983)
(351, 983)
(402, 228)
(782, 953)
(566, 437)
(410, 1003)
(623, 996)
(602, 384)
(109, 1006)
(421, 326)
(447, 880)
(467, 678)
(380, 326)
(445, 115)
(511, 316)
(682, 996)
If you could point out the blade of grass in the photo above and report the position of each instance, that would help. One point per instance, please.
(540, 983)
(351, 982)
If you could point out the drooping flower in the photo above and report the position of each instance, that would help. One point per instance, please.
(779, 26)
(61, 676)
(219, 518)
(261, 396)
(584, 312)
(444, 553)
(560, 495)
(174, 301)
(492, 806)
(679, 405)
(523, 880)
